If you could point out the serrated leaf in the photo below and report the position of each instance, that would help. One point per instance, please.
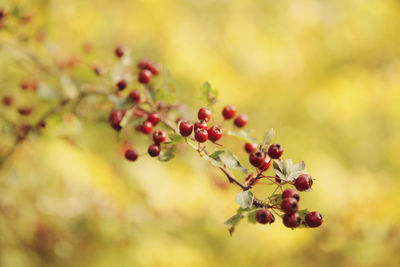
(231, 161)
(288, 171)
(243, 135)
(209, 94)
(215, 162)
(234, 220)
(244, 199)
(126, 118)
(269, 135)
(162, 95)
(137, 121)
(175, 138)
(251, 216)
(167, 154)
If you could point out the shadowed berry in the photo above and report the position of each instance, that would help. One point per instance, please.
(200, 135)
(144, 76)
(275, 151)
(200, 124)
(159, 136)
(264, 216)
(313, 219)
(7, 100)
(122, 84)
(154, 118)
(288, 193)
(256, 158)
(289, 205)
(135, 96)
(185, 128)
(149, 65)
(154, 150)
(119, 51)
(292, 220)
(214, 134)
(229, 112)
(204, 114)
(25, 111)
(303, 182)
(241, 120)
(131, 155)
(116, 118)
(249, 147)
(147, 127)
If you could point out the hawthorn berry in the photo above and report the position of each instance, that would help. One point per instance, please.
(25, 111)
(200, 124)
(200, 135)
(135, 96)
(149, 65)
(229, 112)
(214, 134)
(131, 155)
(249, 147)
(204, 114)
(154, 150)
(144, 76)
(116, 118)
(275, 151)
(159, 136)
(154, 118)
(119, 51)
(265, 164)
(122, 84)
(147, 127)
(313, 219)
(292, 220)
(185, 128)
(241, 120)
(303, 182)
(288, 193)
(8, 100)
(264, 216)
(289, 205)
(256, 158)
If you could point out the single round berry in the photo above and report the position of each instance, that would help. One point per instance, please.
(154, 150)
(147, 127)
(303, 182)
(275, 151)
(291, 193)
(265, 164)
(256, 158)
(313, 219)
(119, 51)
(291, 220)
(249, 147)
(204, 114)
(131, 154)
(135, 96)
(264, 216)
(214, 134)
(122, 84)
(159, 136)
(116, 118)
(8, 100)
(200, 124)
(200, 135)
(185, 128)
(241, 120)
(154, 118)
(289, 205)
(25, 111)
(144, 76)
(229, 112)
(149, 65)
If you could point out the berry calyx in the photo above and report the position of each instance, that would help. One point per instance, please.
(159, 136)
(313, 219)
(154, 150)
(264, 216)
(200, 135)
(144, 76)
(116, 118)
(154, 118)
(265, 164)
(131, 155)
(275, 151)
(8, 100)
(185, 128)
(204, 114)
(214, 134)
(149, 65)
(249, 147)
(291, 193)
(147, 127)
(200, 124)
(122, 84)
(119, 51)
(289, 205)
(292, 220)
(135, 96)
(241, 120)
(256, 158)
(229, 112)
(303, 182)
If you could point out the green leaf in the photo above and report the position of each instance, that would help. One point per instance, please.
(126, 118)
(175, 138)
(288, 171)
(244, 199)
(137, 121)
(167, 154)
(215, 154)
(251, 216)
(161, 94)
(215, 162)
(303, 213)
(231, 161)
(234, 220)
(209, 94)
(275, 199)
(269, 135)
(243, 135)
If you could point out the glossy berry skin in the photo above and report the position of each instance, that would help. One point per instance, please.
(256, 158)
(185, 128)
(144, 76)
(214, 134)
(200, 135)
(8, 100)
(264, 216)
(200, 124)
(303, 182)
(122, 84)
(241, 120)
(119, 51)
(291, 193)
(292, 220)
(159, 136)
(147, 127)
(229, 112)
(313, 219)
(116, 118)
(154, 150)
(135, 96)
(265, 164)
(25, 111)
(249, 147)
(275, 151)
(154, 118)
(149, 65)
(289, 205)
(131, 155)
(204, 114)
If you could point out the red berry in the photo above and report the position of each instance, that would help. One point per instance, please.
(241, 120)
(154, 150)
(185, 128)
(313, 219)
(25, 111)
(292, 220)
(264, 216)
(147, 127)
(265, 164)
(25, 85)
(200, 124)
(214, 134)
(204, 114)
(144, 76)
(303, 182)
(200, 135)
(154, 118)
(249, 147)
(131, 154)
(289, 205)
(135, 96)
(8, 100)
(275, 151)
(229, 112)
(288, 193)
(159, 136)
(122, 84)
(256, 158)
(119, 51)
(116, 118)
(149, 65)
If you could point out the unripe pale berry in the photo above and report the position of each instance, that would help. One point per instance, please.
(275, 151)
(303, 182)
(249, 147)
(154, 118)
(204, 114)
(289, 205)
(288, 193)
(131, 155)
(256, 158)
(144, 76)
(292, 220)
(200, 135)
(154, 150)
(313, 219)
(185, 128)
(241, 120)
(116, 118)
(159, 136)
(214, 134)
(264, 216)
(229, 112)
(122, 84)
(147, 127)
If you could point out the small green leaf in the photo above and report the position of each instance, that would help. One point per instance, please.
(251, 216)
(243, 135)
(288, 171)
(244, 199)
(126, 118)
(137, 121)
(175, 138)
(275, 199)
(231, 161)
(215, 162)
(303, 213)
(269, 135)
(234, 220)
(162, 95)
(209, 94)
(167, 154)
(215, 155)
